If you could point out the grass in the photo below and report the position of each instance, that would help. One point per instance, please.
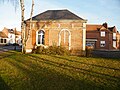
(54, 72)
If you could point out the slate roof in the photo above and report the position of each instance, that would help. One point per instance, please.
(3, 35)
(56, 15)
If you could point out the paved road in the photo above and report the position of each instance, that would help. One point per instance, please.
(7, 48)
(106, 54)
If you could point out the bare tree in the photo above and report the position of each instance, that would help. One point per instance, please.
(23, 35)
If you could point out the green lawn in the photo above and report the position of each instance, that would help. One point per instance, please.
(53, 72)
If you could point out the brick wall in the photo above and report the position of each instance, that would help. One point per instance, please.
(52, 31)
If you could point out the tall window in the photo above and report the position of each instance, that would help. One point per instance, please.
(102, 33)
(41, 37)
(114, 36)
(114, 44)
(102, 43)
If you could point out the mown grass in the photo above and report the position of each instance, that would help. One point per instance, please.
(54, 72)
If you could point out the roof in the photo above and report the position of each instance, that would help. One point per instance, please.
(17, 33)
(56, 15)
(11, 31)
(93, 27)
(3, 35)
(90, 27)
(112, 29)
(14, 32)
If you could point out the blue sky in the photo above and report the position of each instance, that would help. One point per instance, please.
(95, 11)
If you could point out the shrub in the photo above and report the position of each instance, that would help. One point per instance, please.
(39, 50)
(52, 50)
(89, 51)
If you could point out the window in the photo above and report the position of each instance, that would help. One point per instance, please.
(41, 37)
(4, 40)
(102, 33)
(114, 44)
(1, 40)
(102, 43)
(114, 36)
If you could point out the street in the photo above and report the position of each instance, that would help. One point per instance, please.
(7, 48)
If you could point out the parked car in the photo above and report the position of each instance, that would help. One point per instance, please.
(89, 46)
(15, 44)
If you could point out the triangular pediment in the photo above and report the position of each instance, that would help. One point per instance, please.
(103, 28)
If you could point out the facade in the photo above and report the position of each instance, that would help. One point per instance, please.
(56, 27)
(12, 35)
(102, 37)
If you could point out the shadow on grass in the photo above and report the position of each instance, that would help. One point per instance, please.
(64, 66)
(38, 77)
(3, 85)
(112, 79)
(85, 63)
(6, 54)
(46, 79)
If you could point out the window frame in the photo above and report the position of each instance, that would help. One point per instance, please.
(102, 43)
(114, 44)
(42, 42)
(102, 33)
(114, 36)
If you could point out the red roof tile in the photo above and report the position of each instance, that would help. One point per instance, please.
(90, 27)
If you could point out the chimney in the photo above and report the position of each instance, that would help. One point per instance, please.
(105, 25)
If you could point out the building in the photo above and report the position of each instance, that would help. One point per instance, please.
(102, 37)
(56, 27)
(12, 36)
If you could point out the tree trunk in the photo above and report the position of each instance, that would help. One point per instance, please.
(22, 25)
(25, 36)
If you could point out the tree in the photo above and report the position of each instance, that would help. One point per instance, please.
(23, 35)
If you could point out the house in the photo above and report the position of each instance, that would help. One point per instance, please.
(56, 27)
(102, 37)
(13, 36)
(3, 38)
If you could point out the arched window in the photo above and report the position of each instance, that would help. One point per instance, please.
(40, 37)
(65, 38)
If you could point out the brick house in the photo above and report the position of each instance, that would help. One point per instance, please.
(12, 35)
(56, 27)
(102, 37)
